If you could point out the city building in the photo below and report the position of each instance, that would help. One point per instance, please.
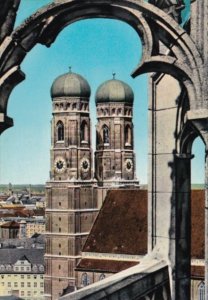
(36, 241)
(22, 273)
(12, 226)
(10, 230)
(176, 55)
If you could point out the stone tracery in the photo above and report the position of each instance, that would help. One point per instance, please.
(183, 61)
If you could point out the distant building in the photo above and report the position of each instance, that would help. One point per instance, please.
(36, 241)
(22, 272)
(35, 226)
(10, 230)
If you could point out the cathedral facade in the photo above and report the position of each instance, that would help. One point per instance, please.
(77, 187)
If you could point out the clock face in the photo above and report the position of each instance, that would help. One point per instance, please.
(85, 165)
(129, 165)
(59, 164)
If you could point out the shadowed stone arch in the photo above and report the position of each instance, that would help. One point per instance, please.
(153, 26)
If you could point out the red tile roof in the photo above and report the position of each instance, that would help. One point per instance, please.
(197, 272)
(121, 225)
(11, 224)
(103, 265)
(121, 228)
(197, 228)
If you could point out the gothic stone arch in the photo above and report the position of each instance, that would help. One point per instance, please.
(182, 61)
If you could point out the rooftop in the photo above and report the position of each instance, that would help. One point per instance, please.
(121, 225)
(121, 229)
(11, 256)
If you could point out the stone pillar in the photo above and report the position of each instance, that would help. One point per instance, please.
(199, 33)
(169, 187)
(181, 221)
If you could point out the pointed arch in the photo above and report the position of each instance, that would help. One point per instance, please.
(102, 276)
(60, 131)
(85, 279)
(43, 27)
(201, 291)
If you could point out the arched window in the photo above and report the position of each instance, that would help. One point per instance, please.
(128, 135)
(74, 106)
(119, 111)
(85, 279)
(102, 276)
(84, 131)
(105, 134)
(201, 291)
(60, 131)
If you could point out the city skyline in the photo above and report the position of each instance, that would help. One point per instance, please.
(92, 48)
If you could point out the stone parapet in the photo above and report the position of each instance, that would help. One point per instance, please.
(147, 279)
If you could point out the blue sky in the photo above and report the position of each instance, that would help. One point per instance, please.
(94, 48)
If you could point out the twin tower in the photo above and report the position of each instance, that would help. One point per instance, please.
(77, 187)
(71, 156)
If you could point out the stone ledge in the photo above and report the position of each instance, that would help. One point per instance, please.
(132, 283)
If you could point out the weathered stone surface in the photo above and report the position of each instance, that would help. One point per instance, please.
(7, 17)
(45, 25)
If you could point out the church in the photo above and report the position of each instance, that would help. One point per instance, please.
(96, 212)
(79, 178)
(176, 55)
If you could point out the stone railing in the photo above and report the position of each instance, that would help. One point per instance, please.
(146, 281)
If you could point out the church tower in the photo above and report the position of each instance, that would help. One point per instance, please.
(114, 156)
(71, 143)
(71, 195)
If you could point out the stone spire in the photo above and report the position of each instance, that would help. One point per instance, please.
(171, 7)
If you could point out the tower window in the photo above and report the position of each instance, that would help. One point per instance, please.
(84, 132)
(105, 134)
(128, 140)
(60, 131)
(201, 291)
